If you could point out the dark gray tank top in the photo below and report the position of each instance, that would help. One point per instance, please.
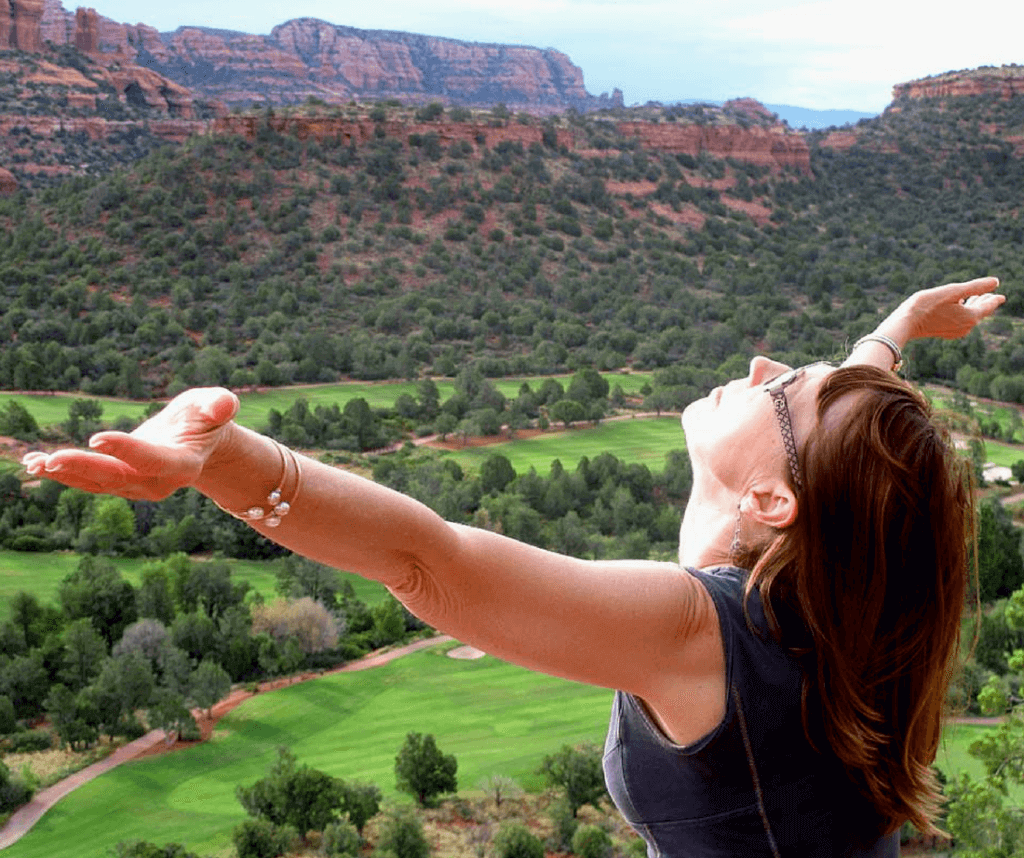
(753, 786)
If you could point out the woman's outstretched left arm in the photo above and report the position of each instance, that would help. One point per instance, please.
(948, 312)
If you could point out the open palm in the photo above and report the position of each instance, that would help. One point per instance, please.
(166, 453)
(952, 311)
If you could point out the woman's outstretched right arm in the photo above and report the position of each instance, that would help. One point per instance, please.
(640, 626)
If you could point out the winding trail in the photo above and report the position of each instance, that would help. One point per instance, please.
(155, 741)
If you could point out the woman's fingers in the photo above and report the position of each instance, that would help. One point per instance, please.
(82, 470)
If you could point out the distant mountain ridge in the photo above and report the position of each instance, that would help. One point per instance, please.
(811, 119)
(308, 58)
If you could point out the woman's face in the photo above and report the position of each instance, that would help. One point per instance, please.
(735, 433)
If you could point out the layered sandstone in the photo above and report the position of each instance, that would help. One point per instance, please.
(306, 58)
(775, 147)
(359, 132)
(1005, 82)
(20, 25)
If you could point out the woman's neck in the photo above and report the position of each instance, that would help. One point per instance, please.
(709, 525)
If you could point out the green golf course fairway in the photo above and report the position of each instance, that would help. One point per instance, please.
(494, 717)
(642, 441)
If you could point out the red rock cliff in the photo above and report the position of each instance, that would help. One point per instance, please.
(1006, 81)
(363, 131)
(307, 57)
(20, 25)
(774, 147)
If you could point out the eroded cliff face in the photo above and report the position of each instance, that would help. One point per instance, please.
(359, 132)
(19, 25)
(1005, 82)
(776, 147)
(307, 58)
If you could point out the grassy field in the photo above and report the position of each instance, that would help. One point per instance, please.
(41, 575)
(999, 453)
(495, 718)
(954, 755)
(642, 441)
(50, 409)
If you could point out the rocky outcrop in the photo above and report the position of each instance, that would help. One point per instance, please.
(307, 58)
(359, 132)
(1005, 82)
(8, 184)
(775, 147)
(751, 109)
(20, 25)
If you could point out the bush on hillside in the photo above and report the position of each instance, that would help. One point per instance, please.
(401, 835)
(591, 841)
(260, 838)
(515, 840)
(341, 840)
(14, 790)
(143, 849)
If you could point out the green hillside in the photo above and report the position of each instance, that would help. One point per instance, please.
(273, 260)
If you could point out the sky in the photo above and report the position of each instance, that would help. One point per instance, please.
(828, 55)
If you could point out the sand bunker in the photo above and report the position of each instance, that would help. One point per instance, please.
(466, 652)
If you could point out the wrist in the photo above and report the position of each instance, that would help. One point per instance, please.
(243, 469)
(898, 326)
(874, 341)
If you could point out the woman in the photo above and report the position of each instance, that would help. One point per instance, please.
(790, 710)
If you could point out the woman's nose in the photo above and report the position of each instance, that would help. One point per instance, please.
(763, 369)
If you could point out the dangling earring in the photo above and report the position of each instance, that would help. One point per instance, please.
(734, 546)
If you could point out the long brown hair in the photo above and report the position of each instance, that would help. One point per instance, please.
(867, 587)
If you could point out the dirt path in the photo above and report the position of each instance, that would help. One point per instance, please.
(154, 742)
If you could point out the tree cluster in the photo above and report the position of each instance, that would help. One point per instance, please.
(178, 641)
(272, 260)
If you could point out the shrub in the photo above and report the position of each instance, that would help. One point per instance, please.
(341, 839)
(14, 790)
(578, 771)
(259, 838)
(401, 835)
(515, 840)
(142, 849)
(8, 721)
(29, 741)
(563, 824)
(591, 841)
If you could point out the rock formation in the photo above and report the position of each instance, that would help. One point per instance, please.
(775, 147)
(360, 132)
(307, 58)
(1005, 81)
(20, 25)
(8, 184)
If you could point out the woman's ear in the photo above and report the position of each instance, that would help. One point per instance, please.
(772, 504)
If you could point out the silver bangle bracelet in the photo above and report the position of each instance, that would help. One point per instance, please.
(276, 507)
(890, 344)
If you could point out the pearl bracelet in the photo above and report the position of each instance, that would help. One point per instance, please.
(888, 343)
(276, 507)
